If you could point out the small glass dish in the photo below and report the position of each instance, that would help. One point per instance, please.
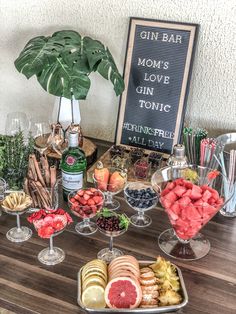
(141, 197)
(117, 181)
(142, 169)
(112, 225)
(155, 159)
(117, 150)
(136, 154)
(87, 211)
(18, 233)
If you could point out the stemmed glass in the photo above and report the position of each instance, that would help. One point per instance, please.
(108, 254)
(86, 212)
(52, 255)
(112, 188)
(3, 186)
(41, 132)
(141, 197)
(15, 122)
(191, 197)
(18, 233)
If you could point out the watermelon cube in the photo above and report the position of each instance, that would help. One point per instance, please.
(164, 192)
(196, 192)
(179, 190)
(179, 181)
(206, 195)
(171, 196)
(188, 184)
(165, 202)
(170, 185)
(187, 193)
(175, 208)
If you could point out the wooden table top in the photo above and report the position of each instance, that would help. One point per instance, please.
(26, 286)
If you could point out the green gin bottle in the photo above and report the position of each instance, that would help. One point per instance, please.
(73, 166)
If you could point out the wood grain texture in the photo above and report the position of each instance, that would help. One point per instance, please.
(26, 286)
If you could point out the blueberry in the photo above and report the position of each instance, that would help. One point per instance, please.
(149, 190)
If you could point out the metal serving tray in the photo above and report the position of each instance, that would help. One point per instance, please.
(161, 309)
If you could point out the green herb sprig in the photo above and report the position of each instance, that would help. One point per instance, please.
(124, 220)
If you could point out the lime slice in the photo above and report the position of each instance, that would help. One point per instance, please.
(93, 297)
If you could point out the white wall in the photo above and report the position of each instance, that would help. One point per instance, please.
(211, 102)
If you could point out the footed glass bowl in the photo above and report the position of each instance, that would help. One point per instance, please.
(190, 197)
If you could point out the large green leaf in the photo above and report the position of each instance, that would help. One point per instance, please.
(37, 53)
(63, 62)
(58, 79)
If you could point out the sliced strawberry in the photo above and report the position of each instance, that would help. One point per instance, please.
(80, 192)
(91, 202)
(82, 201)
(86, 196)
(92, 190)
(72, 200)
(97, 199)
(77, 197)
(88, 192)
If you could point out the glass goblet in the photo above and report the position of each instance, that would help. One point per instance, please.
(41, 132)
(18, 233)
(189, 206)
(15, 122)
(3, 186)
(86, 212)
(112, 188)
(108, 254)
(141, 197)
(52, 255)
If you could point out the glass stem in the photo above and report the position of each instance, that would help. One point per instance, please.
(18, 223)
(51, 248)
(109, 198)
(111, 244)
(140, 215)
(86, 222)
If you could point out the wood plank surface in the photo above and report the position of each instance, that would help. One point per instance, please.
(26, 286)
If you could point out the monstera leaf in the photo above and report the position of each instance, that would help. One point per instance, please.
(63, 62)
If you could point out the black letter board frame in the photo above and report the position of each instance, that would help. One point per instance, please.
(189, 28)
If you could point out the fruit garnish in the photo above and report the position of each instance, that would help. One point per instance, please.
(101, 175)
(47, 222)
(213, 174)
(169, 297)
(123, 292)
(189, 206)
(111, 221)
(93, 297)
(117, 180)
(190, 175)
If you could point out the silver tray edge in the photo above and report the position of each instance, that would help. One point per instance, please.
(163, 309)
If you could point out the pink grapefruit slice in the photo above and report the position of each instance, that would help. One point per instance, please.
(123, 293)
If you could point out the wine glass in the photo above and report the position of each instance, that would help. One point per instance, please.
(191, 197)
(18, 233)
(86, 211)
(113, 187)
(111, 230)
(141, 197)
(41, 132)
(52, 255)
(3, 186)
(15, 122)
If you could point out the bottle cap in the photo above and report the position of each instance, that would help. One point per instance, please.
(179, 150)
(73, 139)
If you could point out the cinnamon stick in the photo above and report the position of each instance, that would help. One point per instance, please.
(53, 176)
(39, 174)
(45, 166)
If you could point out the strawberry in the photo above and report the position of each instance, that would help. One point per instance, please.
(77, 197)
(101, 175)
(92, 190)
(82, 201)
(86, 196)
(117, 181)
(72, 200)
(80, 192)
(97, 199)
(91, 202)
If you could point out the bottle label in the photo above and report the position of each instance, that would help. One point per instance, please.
(70, 160)
(72, 181)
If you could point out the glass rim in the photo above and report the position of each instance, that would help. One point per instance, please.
(81, 206)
